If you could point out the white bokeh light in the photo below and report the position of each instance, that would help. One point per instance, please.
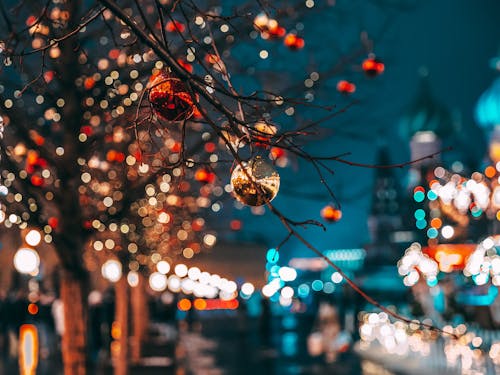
(447, 231)
(33, 237)
(287, 292)
(268, 290)
(174, 283)
(133, 279)
(163, 267)
(194, 273)
(287, 273)
(337, 277)
(187, 286)
(158, 282)
(26, 260)
(181, 270)
(248, 289)
(112, 270)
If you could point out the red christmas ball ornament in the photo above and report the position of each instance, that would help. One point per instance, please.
(294, 42)
(274, 32)
(269, 28)
(346, 87)
(373, 66)
(169, 97)
(331, 214)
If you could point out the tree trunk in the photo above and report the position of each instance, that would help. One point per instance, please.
(139, 319)
(120, 330)
(74, 339)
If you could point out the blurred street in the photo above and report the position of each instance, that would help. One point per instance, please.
(224, 345)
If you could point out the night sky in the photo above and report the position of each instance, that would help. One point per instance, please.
(453, 40)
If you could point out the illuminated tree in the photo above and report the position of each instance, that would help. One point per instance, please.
(121, 119)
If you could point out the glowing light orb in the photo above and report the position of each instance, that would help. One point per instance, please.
(248, 289)
(112, 270)
(163, 267)
(158, 282)
(33, 237)
(26, 260)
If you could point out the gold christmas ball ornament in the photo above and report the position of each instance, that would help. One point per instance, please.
(255, 182)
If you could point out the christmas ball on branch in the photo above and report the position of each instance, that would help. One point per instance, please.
(274, 30)
(170, 97)
(204, 175)
(294, 42)
(255, 182)
(373, 66)
(331, 214)
(345, 87)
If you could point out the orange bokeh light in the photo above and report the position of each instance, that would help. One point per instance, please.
(28, 349)
(184, 304)
(200, 304)
(116, 331)
(490, 171)
(436, 223)
(33, 308)
(450, 257)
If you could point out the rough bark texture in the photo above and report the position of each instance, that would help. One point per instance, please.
(121, 330)
(74, 340)
(139, 319)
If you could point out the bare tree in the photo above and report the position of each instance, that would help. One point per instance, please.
(94, 149)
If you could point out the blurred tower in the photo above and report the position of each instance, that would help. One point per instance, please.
(487, 114)
(428, 126)
(385, 220)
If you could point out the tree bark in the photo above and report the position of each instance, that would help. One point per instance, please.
(120, 330)
(74, 339)
(140, 315)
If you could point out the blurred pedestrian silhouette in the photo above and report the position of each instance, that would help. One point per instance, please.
(265, 322)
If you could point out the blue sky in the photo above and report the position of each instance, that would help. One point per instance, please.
(453, 39)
